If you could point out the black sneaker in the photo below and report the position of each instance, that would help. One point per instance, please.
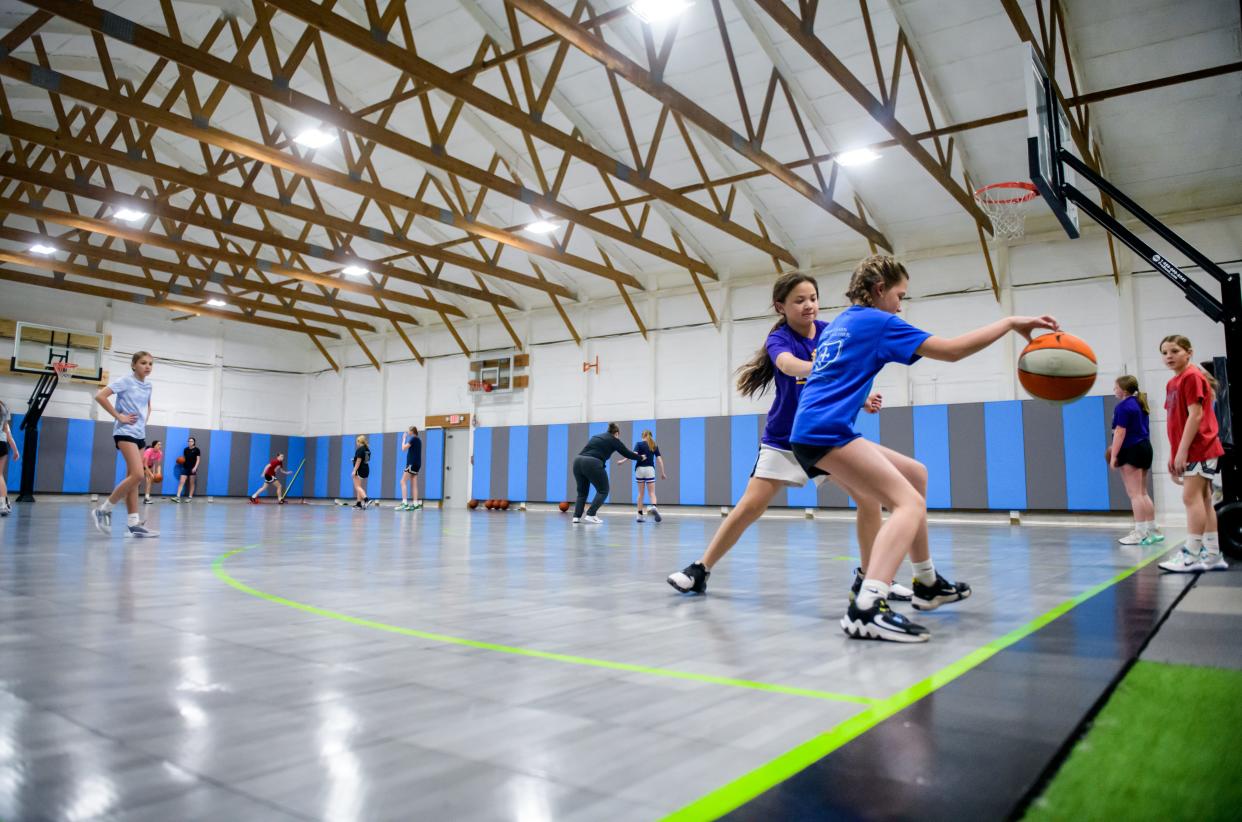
(896, 591)
(655, 513)
(942, 592)
(881, 622)
(691, 579)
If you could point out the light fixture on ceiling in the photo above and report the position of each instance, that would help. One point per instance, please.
(542, 227)
(857, 157)
(130, 215)
(354, 271)
(314, 138)
(216, 303)
(40, 248)
(658, 11)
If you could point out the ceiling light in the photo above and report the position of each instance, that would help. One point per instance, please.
(857, 157)
(657, 11)
(40, 248)
(314, 138)
(129, 215)
(355, 271)
(542, 227)
(216, 303)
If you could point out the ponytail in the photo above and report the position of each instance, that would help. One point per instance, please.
(650, 440)
(1129, 384)
(755, 375)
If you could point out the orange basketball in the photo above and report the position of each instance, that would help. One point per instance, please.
(1058, 367)
(472, 504)
(564, 506)
(158, 476)
(504, 505)
(181, 460)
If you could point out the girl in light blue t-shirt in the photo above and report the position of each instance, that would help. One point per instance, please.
(131, 409)
(8, 448)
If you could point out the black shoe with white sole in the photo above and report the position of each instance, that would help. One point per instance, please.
(941, 592)
(692, 579)
(881, 622)
(655, 513)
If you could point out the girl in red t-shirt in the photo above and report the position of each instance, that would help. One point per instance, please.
(152, 462)
(1194, 446)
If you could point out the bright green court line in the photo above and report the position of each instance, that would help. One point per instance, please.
(217, 568)
(747, 787)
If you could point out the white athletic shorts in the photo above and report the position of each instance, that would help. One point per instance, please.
(1208, 469)
(644, 473)
(776, 464)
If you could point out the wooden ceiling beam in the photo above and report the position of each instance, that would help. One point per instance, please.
(90, 224)
(211, 184)
(59, 284)
(636, 75)
(879, 111)
(435, 156)
(530, 123)
(172, 289)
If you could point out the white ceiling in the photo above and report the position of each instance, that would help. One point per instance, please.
(1173, 149)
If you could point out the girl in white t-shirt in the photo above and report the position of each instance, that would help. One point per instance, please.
(131, 410)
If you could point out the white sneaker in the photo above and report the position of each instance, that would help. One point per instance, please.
(641, 518)
(102, 520)
(576, 520)
(1132, 538)
(592, 520)
(1183, 562)
(1213, 560)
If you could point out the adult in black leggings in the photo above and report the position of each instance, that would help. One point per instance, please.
(589, 469)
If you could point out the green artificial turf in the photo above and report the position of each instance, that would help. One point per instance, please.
(1160, 749)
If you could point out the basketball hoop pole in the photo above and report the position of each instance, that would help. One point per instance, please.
(30, 422)
(1227, 311)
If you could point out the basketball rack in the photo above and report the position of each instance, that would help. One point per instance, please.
(1053, 168)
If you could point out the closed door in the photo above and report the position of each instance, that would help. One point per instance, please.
(456, 467)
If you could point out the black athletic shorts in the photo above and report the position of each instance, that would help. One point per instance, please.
(412, 469)
(808, 455)
(4, 448)
(118, 439)
(1139, 455)
(364, 471)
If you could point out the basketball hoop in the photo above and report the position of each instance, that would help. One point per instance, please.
(63, 368)
(587, 366)
(1005, 204)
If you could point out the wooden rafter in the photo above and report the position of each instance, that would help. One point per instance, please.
(594, 47)
(435, 156)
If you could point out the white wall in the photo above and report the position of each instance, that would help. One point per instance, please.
(208, 373)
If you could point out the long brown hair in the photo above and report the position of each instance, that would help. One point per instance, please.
(1183, 342)
(878, 269)
(650, 440)
(1129, 384)
(754, 376)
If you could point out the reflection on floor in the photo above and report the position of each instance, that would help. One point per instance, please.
(138, 682)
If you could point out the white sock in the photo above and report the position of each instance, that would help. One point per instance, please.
(924, 572)
(106, 505)
(1141, 529)
(1194, 542)
(132, 520)
(872, 590)
(1211, 541)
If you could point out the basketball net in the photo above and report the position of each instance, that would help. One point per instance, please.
(1005, 205)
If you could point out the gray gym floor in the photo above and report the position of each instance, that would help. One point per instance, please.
(378, 664)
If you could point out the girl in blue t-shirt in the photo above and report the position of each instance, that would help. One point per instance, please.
(649, 459)
(850, 352)
(784, 361)
(1130, 452)
(131, 410)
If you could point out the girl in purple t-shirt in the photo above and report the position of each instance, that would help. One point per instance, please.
(1130, 452)
(785, 360)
